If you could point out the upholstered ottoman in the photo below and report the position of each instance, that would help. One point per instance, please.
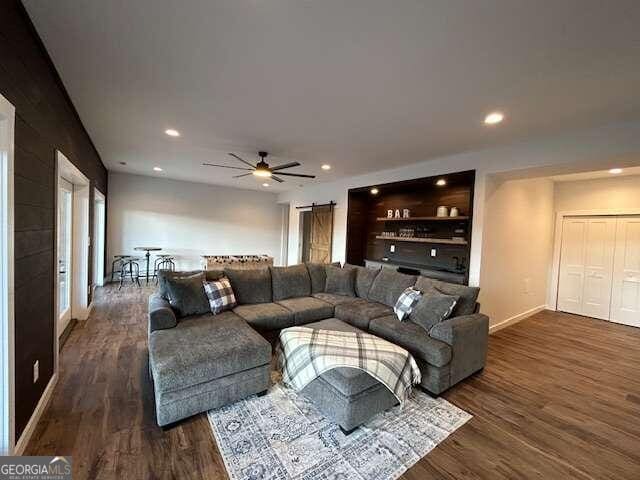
(206, 362)
(347, 396)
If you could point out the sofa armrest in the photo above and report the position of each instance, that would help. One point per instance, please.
(161, 314)
(468, 337)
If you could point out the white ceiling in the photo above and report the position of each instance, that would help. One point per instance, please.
(360, 84)
(573, 177)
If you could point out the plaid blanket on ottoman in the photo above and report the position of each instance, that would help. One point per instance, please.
(308, 353)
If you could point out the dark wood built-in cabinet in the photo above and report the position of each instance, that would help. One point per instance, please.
(371, 235)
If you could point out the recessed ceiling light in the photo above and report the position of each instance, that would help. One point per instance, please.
(326, 167)
(157, 169)
(615, 171)
(441, 182)
(265, 184)
(172, 133)
(374, 191)
(494, 118)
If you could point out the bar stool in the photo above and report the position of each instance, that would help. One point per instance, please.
(118, 260)
(130, 263)
(163, 262)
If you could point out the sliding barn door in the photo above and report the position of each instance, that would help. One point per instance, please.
(321, 234)
(586, 266)
(625, 305)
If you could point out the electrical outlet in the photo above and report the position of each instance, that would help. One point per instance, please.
(527, 286)
(36, 371)
(392, 248)
(433, 252)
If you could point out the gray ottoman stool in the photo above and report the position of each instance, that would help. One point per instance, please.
(347, 396)
(206, 362)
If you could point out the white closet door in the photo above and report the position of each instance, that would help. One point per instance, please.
(625, 306)
(572, 263)
(598, 277)
(586, 266)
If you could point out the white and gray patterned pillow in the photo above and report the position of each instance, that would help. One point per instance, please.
(220, 295)
(407, 300)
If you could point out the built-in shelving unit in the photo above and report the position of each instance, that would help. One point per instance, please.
(443, 241)
(422, 243)
(415, 219)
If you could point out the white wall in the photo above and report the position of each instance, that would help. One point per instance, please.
(190, 219)
(613, 193)
(595, 149)
(517, 247)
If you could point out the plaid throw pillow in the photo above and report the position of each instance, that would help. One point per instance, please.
(408, 299)
(220, 295)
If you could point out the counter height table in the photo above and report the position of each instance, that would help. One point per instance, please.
(148, 255)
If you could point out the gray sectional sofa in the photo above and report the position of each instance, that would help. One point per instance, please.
(202, 362)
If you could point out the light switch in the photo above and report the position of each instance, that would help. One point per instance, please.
(392, 248)
(433, 252)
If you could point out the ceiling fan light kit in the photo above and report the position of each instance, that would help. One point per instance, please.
(262, 169)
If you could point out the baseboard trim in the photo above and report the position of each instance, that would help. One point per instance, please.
(516, 318)
(35, 416)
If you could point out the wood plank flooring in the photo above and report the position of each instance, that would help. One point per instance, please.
(559, 398)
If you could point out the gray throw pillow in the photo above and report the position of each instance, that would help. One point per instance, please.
(318, 275)
(364, 278)
(432, 308)
(187, 296)
(211, 275)
(468, 295)
(340, 281)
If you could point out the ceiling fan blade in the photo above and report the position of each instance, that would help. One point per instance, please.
(225, 166)
(242, 160)
(243, 175)
(286, 165)
(296, 175)
(279, 180)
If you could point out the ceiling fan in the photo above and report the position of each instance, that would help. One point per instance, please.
(262, 168)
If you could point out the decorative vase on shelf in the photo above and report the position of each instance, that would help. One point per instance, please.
(454, 212)
(442, 211)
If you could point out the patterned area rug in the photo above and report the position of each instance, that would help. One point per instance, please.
(283, 436)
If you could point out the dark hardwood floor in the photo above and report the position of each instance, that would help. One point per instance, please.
(559, 398)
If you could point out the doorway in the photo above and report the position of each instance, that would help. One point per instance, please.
(65, 259)
(316, 234)
(7, 357)
(98, 237)
(599, 273)
(72, 247)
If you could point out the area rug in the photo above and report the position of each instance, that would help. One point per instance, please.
(282, 435)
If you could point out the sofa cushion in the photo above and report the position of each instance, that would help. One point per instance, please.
(307, 309)
(290, 282)
(364, 279)
(361, 312)
(334, 299)
(340, 281)
(210, 275)
(388, 285)
(250, 286)
(187, 295)
(318, 275)
(200, 349)
(432, 308)
(265, 316)
(468, 295)
(412, 337)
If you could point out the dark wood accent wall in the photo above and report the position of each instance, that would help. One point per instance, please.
(422, 197)
(46, 121)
